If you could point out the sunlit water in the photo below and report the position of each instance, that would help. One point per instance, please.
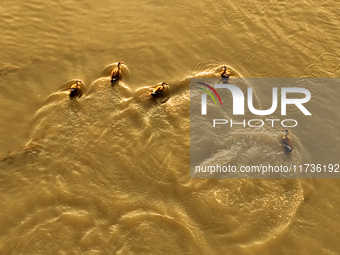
(109, 173)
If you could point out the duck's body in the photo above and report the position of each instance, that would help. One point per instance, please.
(116, 74)
(75, 90)
(287, 142)
(159, 90)
(224, 73)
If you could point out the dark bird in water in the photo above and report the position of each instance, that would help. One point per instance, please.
(75, 90)
(159, 90)
(116, 73)
(287, 142)
(224, 73)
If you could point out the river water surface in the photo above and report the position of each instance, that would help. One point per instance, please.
(109, 173)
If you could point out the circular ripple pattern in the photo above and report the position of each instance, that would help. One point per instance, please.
(206, 64)
(245, 211)
(261, 63)
(329, 62)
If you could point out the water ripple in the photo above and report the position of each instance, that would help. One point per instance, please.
(261, 63)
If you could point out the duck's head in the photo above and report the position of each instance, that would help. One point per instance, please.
(120, 63)
(224, 68)
(165, 84)
(286, 131)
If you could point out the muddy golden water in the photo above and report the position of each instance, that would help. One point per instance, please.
(109, 173)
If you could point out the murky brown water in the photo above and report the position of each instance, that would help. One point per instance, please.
(109, 173)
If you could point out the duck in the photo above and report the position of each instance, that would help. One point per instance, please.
(287, 142)
(75, 90)
(224, 73)
(116, 73)
(159, 90)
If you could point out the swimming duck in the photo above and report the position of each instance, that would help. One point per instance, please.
(116, 73)
(75, 90)
(287, 142)
(159, 90)
(224, 73)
